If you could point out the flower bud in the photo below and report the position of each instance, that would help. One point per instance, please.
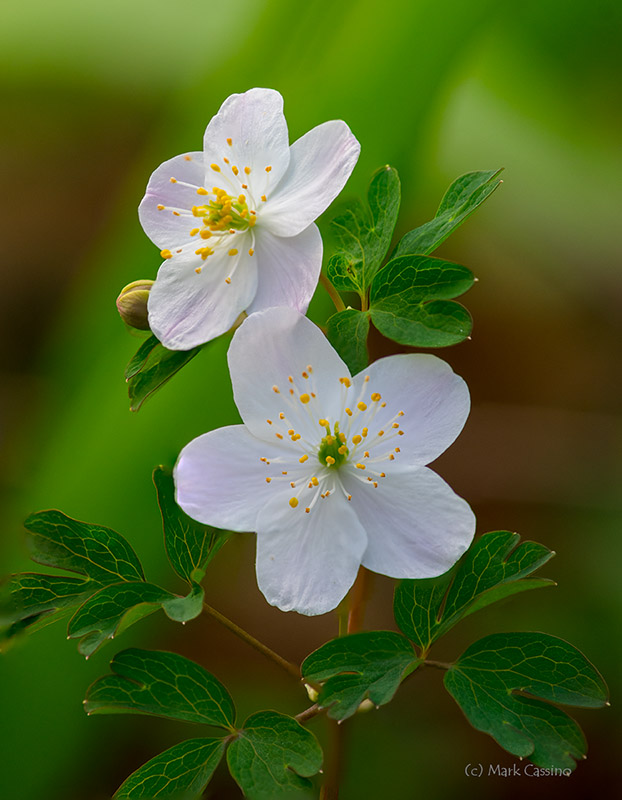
(132, 304)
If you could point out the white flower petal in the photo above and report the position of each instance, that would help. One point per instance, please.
(220, 478)
(289, 269)
(417, 526)
(270, 347)
(255, 124)
(321, 163)
(187, 309)
(435, 402)
(308, 562)
(165, 229)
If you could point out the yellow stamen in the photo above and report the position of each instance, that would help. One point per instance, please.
(247, 170)
(268, 480)
(269, 421)
(330, 460)
(199, 270)
(348, 412)
(166, 254)
(361, 406)
(315, 481)
(356, 439)
(302, 459)
(323, 422)
(229, 142)
(201, 190)
(194, 231)
(365, 431)
(375, 397)
(276, 389)
(264, 198)
(187, 158)
(268, 169)
(173, 180)
(234, 169)
(346, 382)
(304, 398)
(160, 208)
(215, 167)
(360, 466)
(251, 252)
(293, 502)
(233, 252)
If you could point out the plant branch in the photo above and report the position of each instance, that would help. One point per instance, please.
(334, 295)
(292, 669)
(309, 713)
(438, 664)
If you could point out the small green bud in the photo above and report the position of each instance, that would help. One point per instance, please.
(132, 304)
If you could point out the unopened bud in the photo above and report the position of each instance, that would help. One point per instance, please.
(132, 304)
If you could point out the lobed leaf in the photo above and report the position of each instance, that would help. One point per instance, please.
(273, 756)
(347, 331)
(351, 668)
(364, 233)
(190, 546)
(102, 554)
(163, 684)
(180, 773)
(496, 683)
(460, 200)
(493, 568)
(151, 367)
(409, 301)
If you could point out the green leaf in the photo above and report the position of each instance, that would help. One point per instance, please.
(494, 567)
(180, 773)
(163, 684)
(92, 550)
(461, 199)
(495, 683)
(347, 331)
(409, 301)
(151, 367)
(29, 601)
(370, 664)
(183, 609)
(364, 233)
(190, 546)
(273, 756)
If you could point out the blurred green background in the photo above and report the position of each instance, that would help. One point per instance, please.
(95, 96)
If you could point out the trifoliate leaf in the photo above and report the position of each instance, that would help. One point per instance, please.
(347, 331)
(497, 681)
(273, 756)
(180, 773)
(114, 608)
(410, 301)
(364, 233)
(370, 664)
(151, 367)
(163, 684)
(461, 199)
(494, 567)
(100, 553)
(190, 546)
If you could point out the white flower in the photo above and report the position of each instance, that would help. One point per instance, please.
(235, 222)
(329, 470)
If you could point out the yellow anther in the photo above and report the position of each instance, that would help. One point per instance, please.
(397, 450)
(290, 379)
(395, 425)
(276, 389)
(302, 459)
(227, 280)
(205, 234)
(349, 497)
(293, 502)
(284, 472)
(234, 169)
(268, 169)
(291, 431)
(278, 435)
(187, 158)
(366, 454)
(346, 382)
(251, 252)
(201, 190)
(330, 460)
(198, 270)
(194, 231)
(295, 437)
(315, 481)
(215, 167)
(292, 484)
(348, 412)
(391, 457)
(375, 484)
(375, 397)
(365, 431)
(400, 413)
(229, 142)
(361, 406)
(233, 252)
(247, 170)
(307, 510)
(225, 159)
(380, 433)
(244, 186)
(382, 475)
(268, 480)
(173, 180)
(342, 450)
(166, 254)
(269, 421)
(323, 422)
(383, 405)
(342, 438)
(180, 250)
(305, 374)
(281, 415)
(330, 439)
(304, 398)
(241, 198)
(400, 433)
(160, 208)
(264, 198)
(356, 439)
(360, 466)
(366, 379)
(176, 213)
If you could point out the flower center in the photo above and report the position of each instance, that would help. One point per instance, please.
(225, 212)
(333, 450)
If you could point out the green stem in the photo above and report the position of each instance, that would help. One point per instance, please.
(334, 295)
(292, 669)
(358, 598)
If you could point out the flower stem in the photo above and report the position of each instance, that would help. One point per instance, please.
(334, 295)
(358, 598)
(292, 669)
(333, 769)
